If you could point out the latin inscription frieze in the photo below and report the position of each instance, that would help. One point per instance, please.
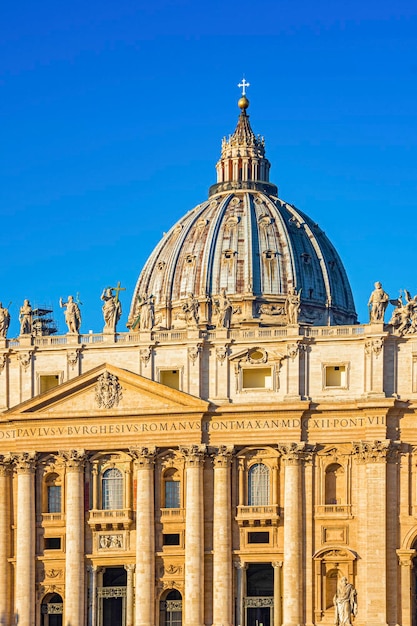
(233, 425)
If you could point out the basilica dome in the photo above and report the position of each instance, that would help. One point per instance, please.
(247, 245)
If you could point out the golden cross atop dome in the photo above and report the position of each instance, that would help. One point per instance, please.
(244, 84)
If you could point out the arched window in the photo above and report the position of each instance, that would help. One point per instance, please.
(334, 484)
(171, 609)
(53, 493)
(112, 489)
(172, 498)
(258, 485)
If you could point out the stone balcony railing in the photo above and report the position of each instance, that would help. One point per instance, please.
(341, 511)
(181, 336)
(172, 515)
(266, 515)
(114, 519)
(51, 519)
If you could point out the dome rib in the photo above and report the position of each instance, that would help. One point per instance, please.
(248, 242)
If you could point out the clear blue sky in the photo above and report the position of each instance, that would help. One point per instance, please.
(112, 114)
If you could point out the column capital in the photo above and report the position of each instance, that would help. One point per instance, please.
(293, 453)
(6, 464)
(74, 460)
(240, 565)
(25, 463)
(144, 456)
(405, 557)
(375, 451)
(277, 564)
(222, 456)
(130, 567)
(194, 455)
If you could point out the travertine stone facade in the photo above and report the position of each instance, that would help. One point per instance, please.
(229, 461)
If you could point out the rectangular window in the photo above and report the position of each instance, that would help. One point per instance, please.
(172, 494)
(54, 499)
(335, 376)
(171, 539)
(257, 378)
(48, 382)
(52, 543)
(260, 537)
(170, 378)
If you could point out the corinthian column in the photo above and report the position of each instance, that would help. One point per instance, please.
(74, 608)
(222, 540)
(5, 471)
(25, 539)
(145, 536)
(194, 535)
(293, 585)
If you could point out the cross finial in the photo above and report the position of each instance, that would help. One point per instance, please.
(244, 84)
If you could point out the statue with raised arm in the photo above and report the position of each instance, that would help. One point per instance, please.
(292, 305)
(4, 320)
(72, 315)
(112, 309)
(378, 302)
(26, 318)
(345, 603)
(190, 308)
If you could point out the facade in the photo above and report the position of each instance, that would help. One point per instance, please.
(245, 454)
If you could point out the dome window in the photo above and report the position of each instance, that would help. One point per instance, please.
(190, 259)
(269, 255)
(229, 254)
(306, 257)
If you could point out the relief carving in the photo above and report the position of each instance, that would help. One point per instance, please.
(72, 358)
(145, 355)
(110, 542)
(108, 391)
(25, 358)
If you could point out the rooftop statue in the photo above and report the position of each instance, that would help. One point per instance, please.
(378, 302)
(147, 313)
(72, 314)
(292, 305)
(112, 307)
(404, 316)
(4, 320)
(224, 310)
(26, 318)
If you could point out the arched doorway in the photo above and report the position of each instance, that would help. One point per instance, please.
(112, 597)
(259, 601)
(51, 610)
(170, 609)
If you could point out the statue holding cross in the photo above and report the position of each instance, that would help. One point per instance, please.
(112, 307)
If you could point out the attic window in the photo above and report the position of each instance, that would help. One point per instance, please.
(335, 376)
(47, 382)
(256, 378)
(170, 378)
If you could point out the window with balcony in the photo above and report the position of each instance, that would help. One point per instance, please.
(172, 489)
(258, 485)
(112, 489)
(54, 499)
(334, 484)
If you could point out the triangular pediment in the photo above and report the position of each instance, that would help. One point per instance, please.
(108, 390)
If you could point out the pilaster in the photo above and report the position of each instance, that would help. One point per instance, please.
(5, 537)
